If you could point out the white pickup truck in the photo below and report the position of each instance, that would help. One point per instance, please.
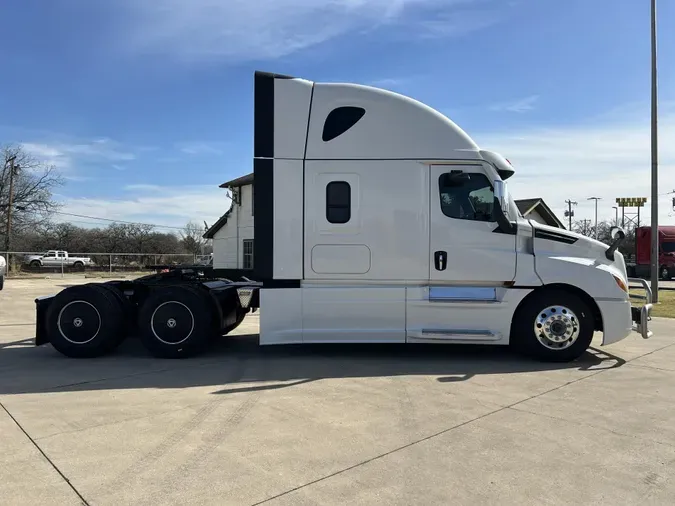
(56, 258)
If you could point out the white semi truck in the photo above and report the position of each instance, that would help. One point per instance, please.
(377, 219)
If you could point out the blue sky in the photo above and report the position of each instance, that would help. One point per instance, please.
(146, 106)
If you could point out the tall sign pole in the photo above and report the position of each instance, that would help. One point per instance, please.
(8, 232)
(655, 168)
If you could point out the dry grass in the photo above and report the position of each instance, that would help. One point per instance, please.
(666, 305)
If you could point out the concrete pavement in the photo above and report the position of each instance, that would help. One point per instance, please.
(332, 424)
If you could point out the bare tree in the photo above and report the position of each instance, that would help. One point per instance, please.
(192, 239)
(584, 227)
(34, 181)
(138, 236)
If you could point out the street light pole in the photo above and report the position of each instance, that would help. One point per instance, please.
(616, 215)
(596, 214)
(655, 167)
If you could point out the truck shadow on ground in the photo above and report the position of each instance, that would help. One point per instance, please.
(239, 364)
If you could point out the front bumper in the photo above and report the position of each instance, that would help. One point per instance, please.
(642, 314)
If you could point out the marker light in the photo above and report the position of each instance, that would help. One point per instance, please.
(621, 283)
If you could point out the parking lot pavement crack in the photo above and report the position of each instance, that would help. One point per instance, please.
(652, 367)
(111, 378)
(651, 352)
(598, 427)
(37, 447)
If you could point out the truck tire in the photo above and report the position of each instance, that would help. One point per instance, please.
(36, 264)
(85, 321)
(553, 326)
(78, 266)
(128, 307)
(177, 322)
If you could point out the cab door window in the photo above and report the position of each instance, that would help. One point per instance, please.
(466, 196)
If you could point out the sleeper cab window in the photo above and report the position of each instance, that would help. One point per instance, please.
(338, 202)
(340, 120)
(466, 196)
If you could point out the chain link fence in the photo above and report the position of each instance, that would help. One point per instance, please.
(27, 263)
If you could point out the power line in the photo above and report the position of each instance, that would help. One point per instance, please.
(117, 221)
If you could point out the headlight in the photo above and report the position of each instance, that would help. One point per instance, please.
(621, 283)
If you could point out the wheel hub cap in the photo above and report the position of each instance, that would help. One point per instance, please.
(172, 322)
(557, 327)
(79, 322)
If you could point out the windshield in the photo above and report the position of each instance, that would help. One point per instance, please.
(668, 247)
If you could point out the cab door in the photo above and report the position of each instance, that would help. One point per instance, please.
(49, 260)
(467, 245)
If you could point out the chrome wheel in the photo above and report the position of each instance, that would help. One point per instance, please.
(556, 327)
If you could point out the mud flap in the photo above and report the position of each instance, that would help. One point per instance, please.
(41, 306)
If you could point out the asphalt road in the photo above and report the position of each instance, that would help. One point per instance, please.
(339, 425)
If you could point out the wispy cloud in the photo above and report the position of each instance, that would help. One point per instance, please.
(244, 30)
(77, 179)
(395, 83)
(163, 205)
(64, 155)
(608, 159)
(520, 105)
(168, 159)
(201, 148)
(458, 23)
(143, 188)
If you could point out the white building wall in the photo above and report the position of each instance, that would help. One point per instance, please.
(228, 242)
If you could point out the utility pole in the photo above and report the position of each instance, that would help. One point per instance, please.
(569, 213)
(655, 167)
(616, 215)
(8, 232)
(596, 214)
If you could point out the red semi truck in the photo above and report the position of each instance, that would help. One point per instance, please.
(643, 238)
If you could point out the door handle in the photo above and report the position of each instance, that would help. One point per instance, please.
(441, 260)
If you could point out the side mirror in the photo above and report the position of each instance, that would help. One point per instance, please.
(502, 195)
(617, 232)
(618, 236)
